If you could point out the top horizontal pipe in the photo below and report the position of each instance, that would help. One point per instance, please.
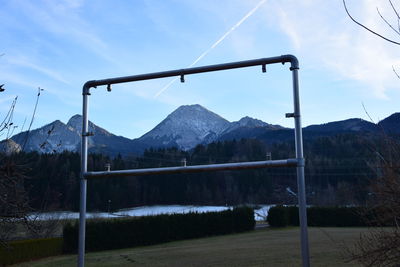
(195, 168)
(225, 66)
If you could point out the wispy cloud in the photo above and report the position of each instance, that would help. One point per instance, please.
(147, 90)
(13, 77)
(24, 84)
(340, 46)
(62, 18)
(28, 63)
(288, 27)
(7, 100)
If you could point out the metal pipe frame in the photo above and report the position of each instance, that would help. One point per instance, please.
(164, 74)
(298, 162)
(195, 168)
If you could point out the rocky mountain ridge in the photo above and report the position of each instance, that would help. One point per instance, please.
(184, 128)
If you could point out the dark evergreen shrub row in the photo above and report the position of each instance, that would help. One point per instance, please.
(24, 250)
(280, 216)
(104, 234)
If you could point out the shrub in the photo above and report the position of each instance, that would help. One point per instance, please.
(280, 216)
(103, 234)
(23, 250)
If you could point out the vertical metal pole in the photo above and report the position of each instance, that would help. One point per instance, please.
(300, 171)
(83, 181)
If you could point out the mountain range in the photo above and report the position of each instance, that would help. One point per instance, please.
(184, 128)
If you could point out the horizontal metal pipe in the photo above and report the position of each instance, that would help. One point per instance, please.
(195, 168)
(233, 65)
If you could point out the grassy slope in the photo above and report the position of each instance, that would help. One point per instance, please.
(257, 248)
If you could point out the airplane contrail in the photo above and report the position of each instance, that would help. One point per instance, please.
(215, 44)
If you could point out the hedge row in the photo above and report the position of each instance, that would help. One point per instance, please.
(148, 230)
(280, 216)
(24, 250)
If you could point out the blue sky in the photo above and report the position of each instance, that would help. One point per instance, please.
(58, 45)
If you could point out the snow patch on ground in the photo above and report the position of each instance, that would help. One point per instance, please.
(260, 214)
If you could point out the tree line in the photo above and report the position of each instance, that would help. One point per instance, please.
(338, 170)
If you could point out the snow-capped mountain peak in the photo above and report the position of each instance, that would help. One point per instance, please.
(57, 137)
(75, 121)
(186, 127)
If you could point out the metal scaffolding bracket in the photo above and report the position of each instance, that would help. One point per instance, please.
(292, 115)
(88, 134)
(297, 162)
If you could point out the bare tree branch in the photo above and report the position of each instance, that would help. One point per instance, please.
(390, 25)
(366, 112)
(380, 245)
(16, 218)
(32, 119)
(8, 118)
(395, 72)
(394, 9)
(23, 124)
(365, 27)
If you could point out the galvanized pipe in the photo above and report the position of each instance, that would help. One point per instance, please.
(83, 182)
(164, 74)
(300, 170)
(194, 168)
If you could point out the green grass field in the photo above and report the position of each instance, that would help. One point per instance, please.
(266, 247)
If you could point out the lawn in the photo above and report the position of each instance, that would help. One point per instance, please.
(266, 247)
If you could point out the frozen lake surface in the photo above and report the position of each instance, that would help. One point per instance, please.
(259, 214)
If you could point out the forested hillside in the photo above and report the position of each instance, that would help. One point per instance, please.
(337, 172)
